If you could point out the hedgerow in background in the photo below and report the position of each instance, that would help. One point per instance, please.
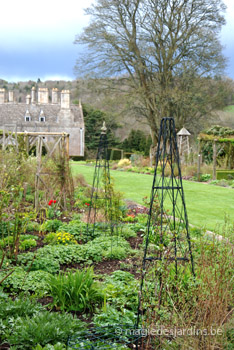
(137, 141)
(93, 122)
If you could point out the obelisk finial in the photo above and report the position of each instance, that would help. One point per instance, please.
(103, 129)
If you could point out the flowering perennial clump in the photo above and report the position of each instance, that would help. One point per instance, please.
(65, 238)
(51, 202)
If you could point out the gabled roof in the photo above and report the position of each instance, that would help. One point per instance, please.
(15, 112)
(183, 132)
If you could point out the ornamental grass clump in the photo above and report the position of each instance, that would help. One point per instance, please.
(124, 162)
(75, 291)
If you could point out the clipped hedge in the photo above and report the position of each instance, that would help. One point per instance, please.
(225, 174)
(115, 154)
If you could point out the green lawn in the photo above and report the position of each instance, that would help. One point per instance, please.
(229, 108)
(207, 205)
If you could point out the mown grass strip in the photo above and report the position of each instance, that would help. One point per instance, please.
(208, 206)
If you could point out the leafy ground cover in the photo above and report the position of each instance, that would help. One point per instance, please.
(59, 278)
(208, 206)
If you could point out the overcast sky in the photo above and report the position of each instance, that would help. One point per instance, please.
(36, 38)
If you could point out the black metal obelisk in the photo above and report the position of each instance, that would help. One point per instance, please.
(167, 252)
(100, 195)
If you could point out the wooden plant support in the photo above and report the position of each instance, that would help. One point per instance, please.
(56, 147)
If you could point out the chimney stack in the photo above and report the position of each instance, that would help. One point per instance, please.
(11, 96)
(33, 95)
(54, 95)
(2, 96)
(43, 96)
(28, 99)
(65, 99)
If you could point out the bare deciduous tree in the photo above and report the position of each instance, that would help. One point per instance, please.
(167, 49)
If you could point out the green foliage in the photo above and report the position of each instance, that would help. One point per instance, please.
(137, 141)
(114, 154)
(63, 238)
(142, 219)
(51, 225)
(78, 230)
(58, 346)
(205, 177)
(33, 281)
(93, 122)
(25, 242)
(49, 258)
(129, 218)
(75, 291)
(22, 306)
(35, 262)
(41, 329)
(121, 290)
(225, 174)
(110, 317)
(96, 344)
(224, 145)
(114, 209)
(218, 130)
(32, 226)
(116, 252)
(229, 335)
(11, 310)
(82, 197)
(13, 222)
(127, 232)
(107, 242)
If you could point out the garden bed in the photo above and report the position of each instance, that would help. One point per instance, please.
(67, 277)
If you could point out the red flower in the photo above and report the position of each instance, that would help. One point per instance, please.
(87, 204)
(55, 201)
(50, 202)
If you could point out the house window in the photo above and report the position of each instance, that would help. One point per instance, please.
(42, 119)
(27, 116)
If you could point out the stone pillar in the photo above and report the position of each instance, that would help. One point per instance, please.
(33, 95)
(65, 99)
(43, 96)
(2, 96)
(11, 96)
(54, 95)
(28, 99)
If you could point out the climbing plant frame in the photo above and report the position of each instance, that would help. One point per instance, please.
(167, 252)
(101, 194)
(221, 141)
(52, 173)
(56, 147)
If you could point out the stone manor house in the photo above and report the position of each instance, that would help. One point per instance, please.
(37, 114)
